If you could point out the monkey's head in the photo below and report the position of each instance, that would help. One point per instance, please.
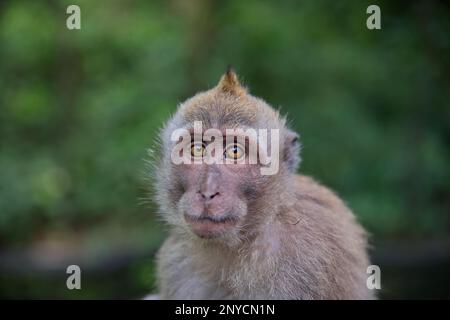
(225, 160)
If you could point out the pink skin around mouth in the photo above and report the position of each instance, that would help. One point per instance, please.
(208, 226)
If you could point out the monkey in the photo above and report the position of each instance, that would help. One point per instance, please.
(235, 233)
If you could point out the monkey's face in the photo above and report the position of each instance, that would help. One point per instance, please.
(217, 183)
(216, 197)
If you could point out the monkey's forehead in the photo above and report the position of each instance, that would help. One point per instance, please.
(227, 111)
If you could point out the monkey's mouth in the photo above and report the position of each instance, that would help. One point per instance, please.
(207, 226)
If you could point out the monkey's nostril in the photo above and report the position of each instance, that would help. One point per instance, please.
(208, 195)
(215, 194)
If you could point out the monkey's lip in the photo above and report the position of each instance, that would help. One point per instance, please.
(207, 226)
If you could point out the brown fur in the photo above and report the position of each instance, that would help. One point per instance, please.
(296, 239)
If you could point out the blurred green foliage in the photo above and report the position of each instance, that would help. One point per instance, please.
(78, 109)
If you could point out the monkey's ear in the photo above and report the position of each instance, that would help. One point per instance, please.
(229, 82)
(291, 153)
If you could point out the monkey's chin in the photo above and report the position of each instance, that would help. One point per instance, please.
(209, 227)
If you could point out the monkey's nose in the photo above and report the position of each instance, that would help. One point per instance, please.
(208, 195)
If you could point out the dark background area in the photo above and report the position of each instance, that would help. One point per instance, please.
(79, 109)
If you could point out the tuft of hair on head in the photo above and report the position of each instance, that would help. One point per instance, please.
(229, 83)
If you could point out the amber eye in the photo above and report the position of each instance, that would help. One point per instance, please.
(197, 150)
(234, 151)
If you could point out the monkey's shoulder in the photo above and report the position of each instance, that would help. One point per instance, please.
(318, 207)
(310, 192)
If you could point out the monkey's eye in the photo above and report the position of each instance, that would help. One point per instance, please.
(197, 150)
(234, 151)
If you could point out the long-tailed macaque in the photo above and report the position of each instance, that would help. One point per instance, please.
(238, 232)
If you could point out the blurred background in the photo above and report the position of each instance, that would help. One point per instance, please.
(80, 108)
